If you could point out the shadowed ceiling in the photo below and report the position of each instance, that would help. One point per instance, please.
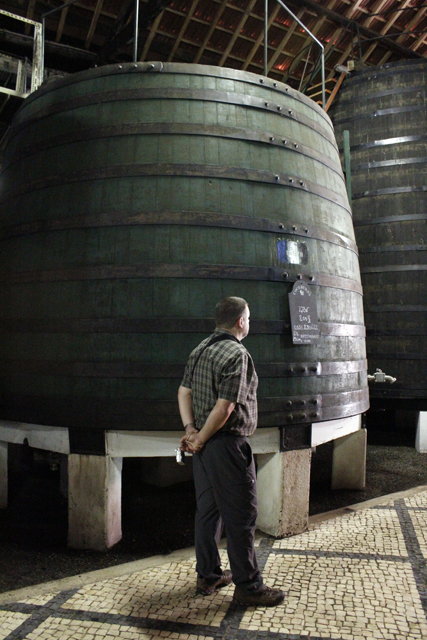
(222, 32)
(230, 33)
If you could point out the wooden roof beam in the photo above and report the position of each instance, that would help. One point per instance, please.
(153, 30)
(283, 42)
(54, 48)
(30, 14)
(183, 29)
(350, 48)
(336, 35)
(378, 7)
(117, 38)
(61, 24)
(260, 38)
(422, 39)
(339, 32)
(218, 51)
(211, 30)
(124, 29)
(385, 57)
(103, 12)
(237, 31)
(385, 29)
(208, 24)
(315, 28)
(93, 23)
(418, 17)
(368, 33)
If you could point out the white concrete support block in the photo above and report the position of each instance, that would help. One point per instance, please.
(322, 432)
(153, 444)
(142, 444)
(94, 501)
(421, 437)
(349, 461)
(3, 474)
(36, 435)
(283, 492)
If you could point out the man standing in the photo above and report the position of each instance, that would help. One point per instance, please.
(218, 406)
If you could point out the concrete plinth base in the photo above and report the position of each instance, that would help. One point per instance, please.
(3, 475)
(283, 492)
(421, 437)
(349, 461)
(94, 501)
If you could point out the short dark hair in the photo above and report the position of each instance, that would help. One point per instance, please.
(229, 310)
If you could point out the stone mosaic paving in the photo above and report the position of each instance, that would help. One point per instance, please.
(362, 576)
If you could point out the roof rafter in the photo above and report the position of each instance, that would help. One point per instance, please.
(183, 29)
(283, 42)
(92, 9)
(260, 38)
(418, 17)
(422, 39)
(315, 28)
(93, 23)
(61, 24)
(385, 29)
(239, 27)
(377, 9)
(30, 14)
(231, 32)
(117, 36)
(211, 30)
(368, 33)
(150, 37)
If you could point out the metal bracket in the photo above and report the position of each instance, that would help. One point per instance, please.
(298, 437)
(379, 376)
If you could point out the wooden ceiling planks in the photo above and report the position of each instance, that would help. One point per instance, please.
(93, 23)
(230, 32)
(183, 29)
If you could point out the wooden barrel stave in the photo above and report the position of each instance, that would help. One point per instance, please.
(389, 158)
(146, 198)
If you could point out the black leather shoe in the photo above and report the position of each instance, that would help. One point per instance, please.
(262, 597)
(207, 587)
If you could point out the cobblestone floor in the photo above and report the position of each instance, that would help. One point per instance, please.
(361, 576)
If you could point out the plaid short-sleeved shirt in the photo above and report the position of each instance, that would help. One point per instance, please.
(224, 370)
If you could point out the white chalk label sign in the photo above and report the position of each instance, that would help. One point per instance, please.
(303, 310)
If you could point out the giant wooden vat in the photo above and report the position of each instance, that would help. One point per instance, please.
(133, 197)
(384, 109)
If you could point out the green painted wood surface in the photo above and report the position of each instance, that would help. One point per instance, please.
(82, 172)
(388, 140)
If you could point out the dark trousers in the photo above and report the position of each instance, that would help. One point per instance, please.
(225, 481)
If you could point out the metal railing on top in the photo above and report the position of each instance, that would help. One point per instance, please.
(23, 67)
(282, 4)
